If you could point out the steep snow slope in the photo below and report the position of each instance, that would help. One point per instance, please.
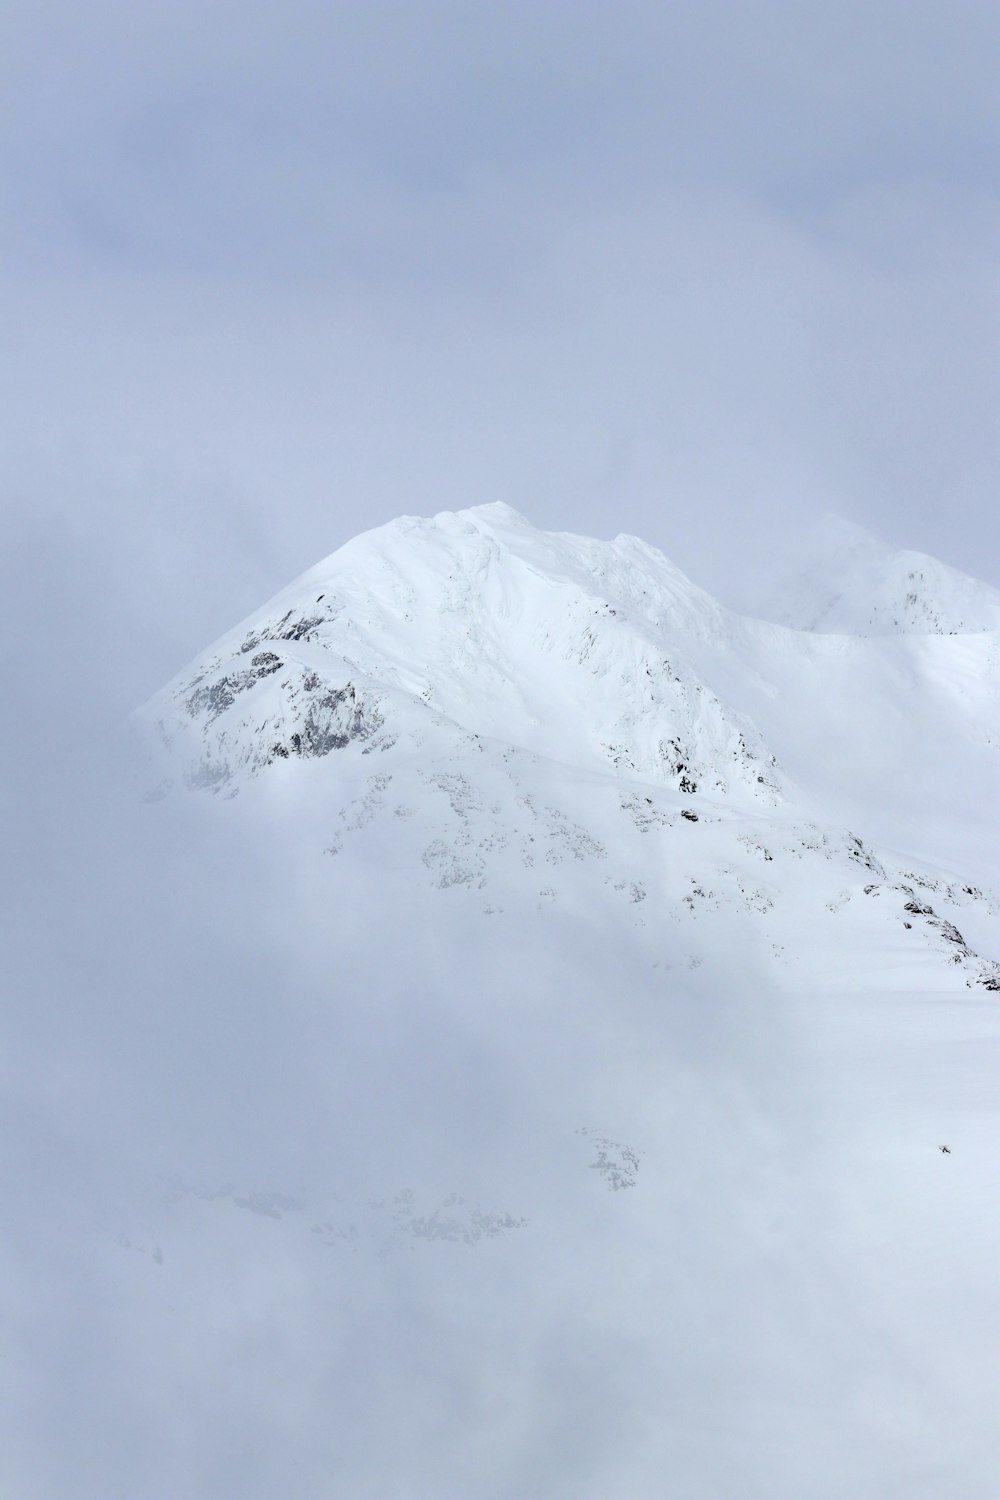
(603, 656)
(856, 585)
(442, 673)
(909, 593)
(624, 963)
(473, 622)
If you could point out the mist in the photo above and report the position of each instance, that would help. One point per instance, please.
(270, 281)
(273, 278)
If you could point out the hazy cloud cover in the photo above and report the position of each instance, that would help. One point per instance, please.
(671, 271)
(272, 275)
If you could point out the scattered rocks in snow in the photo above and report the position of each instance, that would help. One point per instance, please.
(861, 855)
(448, 868)
(363, 809)
(755, 846)
(757, 900)
(211, 701)
(452, 1220)
(379, 1226)
(644, 813)
(616, 1163)
(636, 892)
(981, 972)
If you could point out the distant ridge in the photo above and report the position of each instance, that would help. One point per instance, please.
(856, 585)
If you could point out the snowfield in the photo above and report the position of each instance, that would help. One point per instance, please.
(586, 980)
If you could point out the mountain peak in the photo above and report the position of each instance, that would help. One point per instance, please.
(474, 622)
(909, 593)
(854, 584)
(472, 630)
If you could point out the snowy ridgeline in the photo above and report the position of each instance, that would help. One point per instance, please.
(600, 655)
(473, 624)
(543, 1002)
(540, 718)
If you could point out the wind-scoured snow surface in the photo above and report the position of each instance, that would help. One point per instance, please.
(548, 995)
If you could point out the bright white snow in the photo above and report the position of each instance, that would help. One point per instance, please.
(596, 974)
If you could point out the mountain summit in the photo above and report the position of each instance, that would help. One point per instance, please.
(474, 623)
(603, 656)
(501, 675)
(596, 973)
(854, 584)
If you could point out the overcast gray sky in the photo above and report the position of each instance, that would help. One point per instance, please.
(275, 274)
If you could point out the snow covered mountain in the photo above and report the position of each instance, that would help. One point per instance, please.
(856, 585)
(445, 671)
(474, 624)
(625, 962)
